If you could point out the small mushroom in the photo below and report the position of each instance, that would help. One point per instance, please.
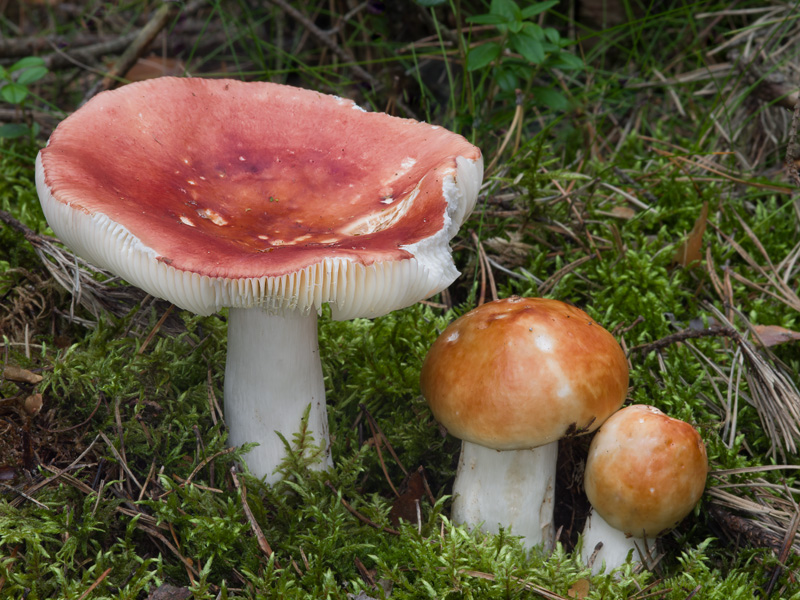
(267, 199)
(645, 472)
(510, 378)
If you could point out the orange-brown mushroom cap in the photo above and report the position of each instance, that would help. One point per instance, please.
(523, 372)
(216, 193)
(645, 470)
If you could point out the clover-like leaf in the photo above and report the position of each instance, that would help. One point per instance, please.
(529, 46)
(482, 55)
(26, 63)
(550, 97)
(14, 93)
(539, 7)
(13, 130)
(31, 74)
(488, 19)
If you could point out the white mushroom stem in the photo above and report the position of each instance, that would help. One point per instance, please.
(273, 373)
(511, 489)
(616, 545)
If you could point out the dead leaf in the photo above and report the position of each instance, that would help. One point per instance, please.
(406, 505)
(579, 589)
(772, 335)
(20, 375)
(33, 404)
(623, 212)
(154, 66)
(690, 251)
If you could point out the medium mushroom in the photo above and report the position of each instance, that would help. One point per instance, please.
(510, 378)
(267, 199)
(645, 472)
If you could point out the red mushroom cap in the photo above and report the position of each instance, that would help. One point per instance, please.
(645, 471)
(218, 193)
(523, 372)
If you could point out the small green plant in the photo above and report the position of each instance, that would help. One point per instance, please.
(522, 49)
(15, 81)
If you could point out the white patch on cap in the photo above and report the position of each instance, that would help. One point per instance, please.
(408, 162)
(212, 215)
(452, 337)
(544, 342)
(565, 390)
(186, 221)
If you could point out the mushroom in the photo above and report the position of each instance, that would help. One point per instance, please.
(267, 199)
(645, 472)
(510, 378)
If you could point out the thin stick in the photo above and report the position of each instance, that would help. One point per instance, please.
(377, 439)
(262, 540)
(155, 329)
(122, 462)
(145, 37)
(372, 420)
(686, 334)
(97, 582)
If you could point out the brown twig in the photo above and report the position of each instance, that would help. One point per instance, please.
(786, 547)
(686, 334)
(262, 540)
(88, 54)
(155, 329)
(97, 582)
(137, 47)
(374, 423)
(754, 534)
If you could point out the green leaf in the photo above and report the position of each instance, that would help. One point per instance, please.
(569, 61)
(507, 9)
(13, 130)
(14, 93)
(535, 9)
(482, 55)
(507, 80)
(552, 35)
(488, 19)
(550, 97)
(26, 63)
(528, 46)
(30, 75)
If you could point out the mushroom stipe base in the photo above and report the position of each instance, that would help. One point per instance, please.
(509, 488)
(273, 374)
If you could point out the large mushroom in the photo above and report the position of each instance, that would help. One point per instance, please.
(510, 378)
(644, 473)
(267, 199)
